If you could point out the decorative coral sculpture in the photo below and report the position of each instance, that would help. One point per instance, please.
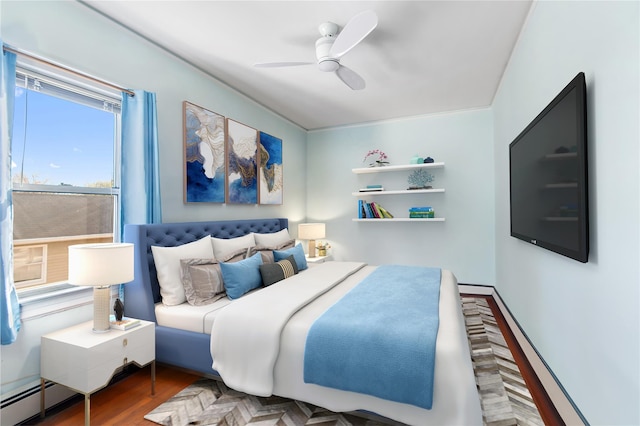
(420, 179)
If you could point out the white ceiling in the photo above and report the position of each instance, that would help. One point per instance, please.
(423, 57)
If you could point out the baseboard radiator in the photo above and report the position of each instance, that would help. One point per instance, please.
(25, 404)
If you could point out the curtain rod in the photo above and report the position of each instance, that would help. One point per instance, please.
(60, 67)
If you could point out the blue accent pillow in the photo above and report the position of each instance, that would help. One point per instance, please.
(241, 277)
(298, 254)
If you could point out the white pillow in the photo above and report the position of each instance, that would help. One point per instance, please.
(273, 239)
(223, 246)
(167, 260)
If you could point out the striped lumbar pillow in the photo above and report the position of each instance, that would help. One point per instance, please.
(274, 272)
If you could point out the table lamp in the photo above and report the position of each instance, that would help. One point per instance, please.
(311, 232)
(100, 265)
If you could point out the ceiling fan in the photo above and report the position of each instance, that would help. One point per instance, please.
(334, 44)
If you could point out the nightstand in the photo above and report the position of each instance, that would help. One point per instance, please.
(85, 361)
(318, 259)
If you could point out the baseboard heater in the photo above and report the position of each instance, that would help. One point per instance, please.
(25, 404)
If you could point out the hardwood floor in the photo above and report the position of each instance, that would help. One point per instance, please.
(124, 402)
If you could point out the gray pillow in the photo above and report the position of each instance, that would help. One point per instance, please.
(278, 271)
(202, 281)
(202, 278)
(267, 251)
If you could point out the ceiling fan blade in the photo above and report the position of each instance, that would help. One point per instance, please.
(281, 64)
(354, 32)
(350, 78)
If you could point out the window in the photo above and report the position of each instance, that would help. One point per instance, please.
(29, 264)
(65, 172)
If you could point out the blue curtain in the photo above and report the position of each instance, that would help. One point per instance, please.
(140, 187)
(10, 320)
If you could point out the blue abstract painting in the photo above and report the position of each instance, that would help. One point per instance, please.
(271, 174)
(242, 171)
(204, 155)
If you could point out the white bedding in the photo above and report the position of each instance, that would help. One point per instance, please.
(254, 358)
(246, 335)
(185, 316)
(198, 319)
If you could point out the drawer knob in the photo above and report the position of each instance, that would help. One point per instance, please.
(125, 361)
(124, 342)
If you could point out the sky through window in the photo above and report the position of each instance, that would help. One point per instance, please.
(66, 142)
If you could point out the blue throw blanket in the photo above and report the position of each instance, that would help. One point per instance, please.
(380, 338)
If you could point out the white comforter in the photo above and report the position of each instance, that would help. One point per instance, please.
(245, 339)
(257, 344)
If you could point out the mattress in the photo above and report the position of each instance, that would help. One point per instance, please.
(198, 319)
(188, 317)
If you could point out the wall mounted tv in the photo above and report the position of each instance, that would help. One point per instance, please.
(548, 176)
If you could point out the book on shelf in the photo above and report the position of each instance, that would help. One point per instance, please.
(365, 211)
(421, 213)
(370, 213)
(376, 212)
(124, 324)
(378, 189)
(385, 212)
(372, 210)
(361, 211)
(425, 215)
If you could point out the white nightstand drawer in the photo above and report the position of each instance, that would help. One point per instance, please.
(85, 361)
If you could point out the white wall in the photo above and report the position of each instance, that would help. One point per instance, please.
(582, 318)
(463, 243)
(78, 37)
(73, 35)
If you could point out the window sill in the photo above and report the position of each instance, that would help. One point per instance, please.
(28, 296)
(36, 303)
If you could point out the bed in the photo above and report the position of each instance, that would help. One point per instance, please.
(454, 401)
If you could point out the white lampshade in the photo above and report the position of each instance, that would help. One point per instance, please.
(311, 232)
(101, 265)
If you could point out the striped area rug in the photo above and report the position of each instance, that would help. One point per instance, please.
(503, 394)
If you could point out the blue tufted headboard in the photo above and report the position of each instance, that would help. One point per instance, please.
(143, 292)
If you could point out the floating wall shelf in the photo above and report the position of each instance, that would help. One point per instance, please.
(397, 168)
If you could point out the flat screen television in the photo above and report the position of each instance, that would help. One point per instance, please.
(548, 176)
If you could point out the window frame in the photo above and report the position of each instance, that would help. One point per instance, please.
(111, 103)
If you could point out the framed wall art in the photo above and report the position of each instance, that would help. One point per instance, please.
(204, 155)
(242, 163)
(270, 170)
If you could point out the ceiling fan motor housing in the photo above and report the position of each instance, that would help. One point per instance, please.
(328, 29)
(326, 62)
